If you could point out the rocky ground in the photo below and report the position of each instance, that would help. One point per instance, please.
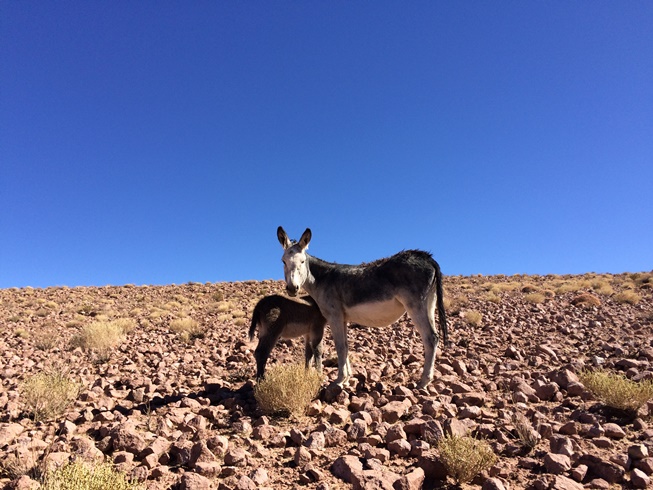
(180, 413)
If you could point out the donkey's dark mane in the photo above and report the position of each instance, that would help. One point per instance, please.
(399, 256)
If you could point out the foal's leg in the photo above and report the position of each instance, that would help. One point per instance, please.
(424, 322)
(314, 340)
(262, 352)
(309, 352)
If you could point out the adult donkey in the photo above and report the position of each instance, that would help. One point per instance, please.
(374, 295)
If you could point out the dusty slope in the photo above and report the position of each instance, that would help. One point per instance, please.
(182, 415)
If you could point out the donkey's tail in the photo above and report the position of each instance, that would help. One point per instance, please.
(255, 318)
(441, 313)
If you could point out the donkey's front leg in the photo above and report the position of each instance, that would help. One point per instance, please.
(339, 332)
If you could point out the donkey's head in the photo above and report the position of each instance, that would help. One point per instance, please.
(295, 264)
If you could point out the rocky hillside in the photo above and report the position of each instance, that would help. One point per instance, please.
(174, 408)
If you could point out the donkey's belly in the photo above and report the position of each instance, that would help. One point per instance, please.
(377, 314)
(293, 330)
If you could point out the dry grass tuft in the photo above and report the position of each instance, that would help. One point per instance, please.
(534, 298)
(287, 389)
(187, 329)
(628, 296)
(586, 300)
(465, 457)
(617, 391)
(80, 475)
(101, 337)
(492, 297)
(223, 307)
(473, 317)
(47, 395)
(528, 436)
(602, 286)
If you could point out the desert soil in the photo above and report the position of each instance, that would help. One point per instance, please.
(180, 413)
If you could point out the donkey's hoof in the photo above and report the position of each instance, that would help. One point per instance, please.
(332, 392)
(423, 384)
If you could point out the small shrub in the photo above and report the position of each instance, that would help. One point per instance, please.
(602, 287)
(528, 436)
(617, 391)
(492, 297)
(473, 317)
(628, 296)
(287, 389)
(586, 300)
(42, 312)
(99, 337)
(80, 475)
(465, 457)
(125, 324)
(187, 329)
(549, 293)
(47, 395)
(87, 310)
(47, 339)
(507, 286)
(534, 298)
(223, 307)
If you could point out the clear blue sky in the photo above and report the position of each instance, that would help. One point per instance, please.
(160, 142)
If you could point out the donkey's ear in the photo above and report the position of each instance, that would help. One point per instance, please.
(283, 238)
(306, 237)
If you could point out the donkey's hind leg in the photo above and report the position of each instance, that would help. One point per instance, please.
(339, 332)
(424, 322)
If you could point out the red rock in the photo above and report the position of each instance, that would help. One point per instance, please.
(400, 447)
(9, 432)
(357, 430)
(563, 483)
(613, 431)
(302, 456)
(393, 411)
(395, 432)
(605, 470)
(235, 457)
(646, 465)
(193, 481)
(410, 481)
(557, 463)
(127, 438)
(639, 479)
(493, 484)
(334, 437)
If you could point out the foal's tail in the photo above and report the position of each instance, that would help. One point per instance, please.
(255, 319)
(441, 314)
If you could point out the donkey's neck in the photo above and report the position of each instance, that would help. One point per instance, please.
(317, 269)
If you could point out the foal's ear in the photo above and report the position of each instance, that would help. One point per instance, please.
(306, 237)
(283, 238)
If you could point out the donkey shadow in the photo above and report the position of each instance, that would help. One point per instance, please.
(239, 399)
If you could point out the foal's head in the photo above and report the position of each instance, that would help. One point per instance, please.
(295, 266)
